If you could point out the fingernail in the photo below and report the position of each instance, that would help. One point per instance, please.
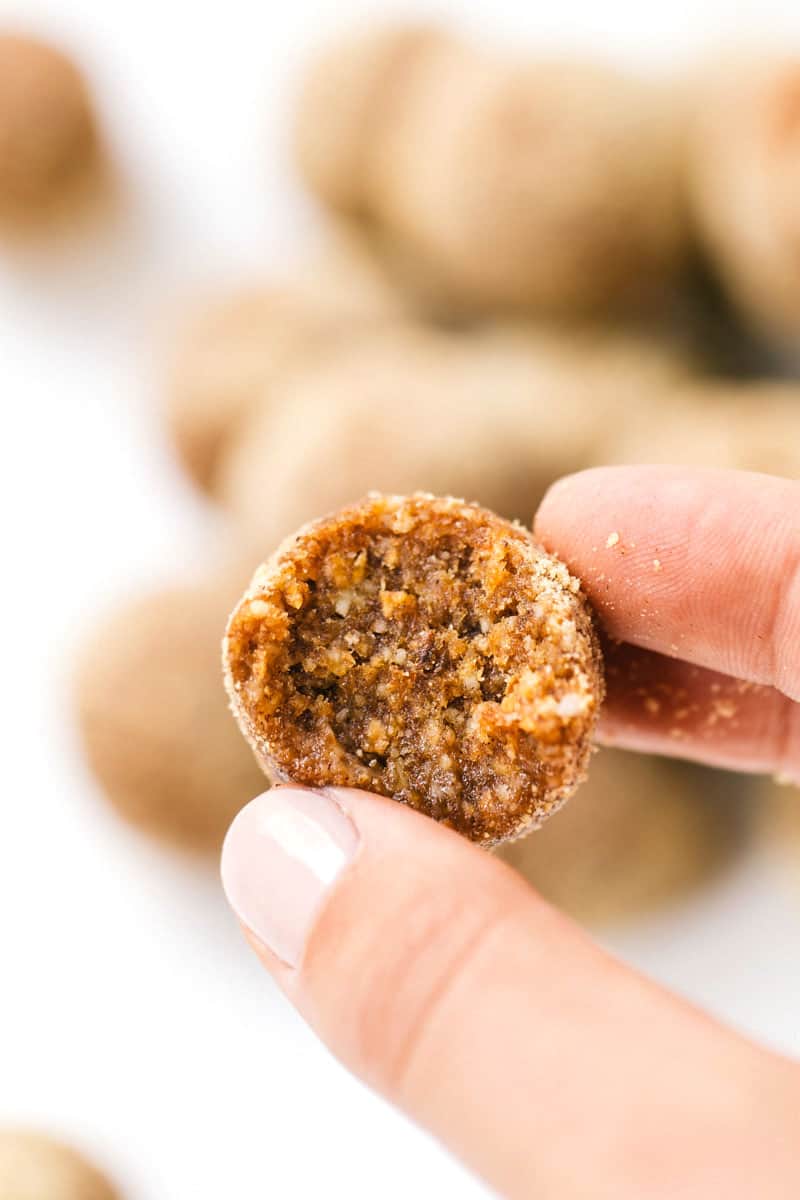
(282, 856)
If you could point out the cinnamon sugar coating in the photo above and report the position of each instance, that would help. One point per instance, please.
(424, 649)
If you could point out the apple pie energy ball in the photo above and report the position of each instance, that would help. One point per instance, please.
(743, 181)
(343, 97)
(424, 649)
(551, 185)
(641, 833)
(34, 1166)
(494, 416)
(230, 355)
(778, 802)
(47, 130)
(735, 425)
(153, 720)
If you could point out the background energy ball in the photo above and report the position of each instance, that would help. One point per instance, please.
(34, 1166)
(48, 138)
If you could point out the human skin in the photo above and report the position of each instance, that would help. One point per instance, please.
(551, 1069)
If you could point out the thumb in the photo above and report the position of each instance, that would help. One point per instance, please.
(438, 976)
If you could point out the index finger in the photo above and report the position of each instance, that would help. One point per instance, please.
(703, 565)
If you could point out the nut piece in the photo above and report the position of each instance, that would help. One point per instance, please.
(36, 1167)
(424, 649)
(643, 832)
(47, 130)
(154, 724)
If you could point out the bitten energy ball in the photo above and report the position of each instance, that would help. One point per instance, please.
(424, 649)
(47, 130)
(554, 185)
(36, 1167)
(642, 832)
(153, 722)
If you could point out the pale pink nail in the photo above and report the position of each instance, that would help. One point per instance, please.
(282, 855)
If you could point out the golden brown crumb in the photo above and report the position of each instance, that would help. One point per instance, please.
(36, 1167)
(424, 649)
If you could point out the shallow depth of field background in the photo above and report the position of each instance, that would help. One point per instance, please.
(133, 1019)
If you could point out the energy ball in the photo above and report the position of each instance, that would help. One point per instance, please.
(340, 105)
(577, 203)
(743, 173)
(641, 833)
(229, 357)
(36, 1167)
(495, 417)
(48, 137)
(735, 426)
(778, 803)
(424, 649)
(154, 724)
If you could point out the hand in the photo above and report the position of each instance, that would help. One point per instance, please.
(700, 590)
(441, 978)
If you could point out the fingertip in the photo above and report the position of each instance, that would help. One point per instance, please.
(565, 503)
(282, 855)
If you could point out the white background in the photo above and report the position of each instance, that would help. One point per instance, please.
(132, 1018)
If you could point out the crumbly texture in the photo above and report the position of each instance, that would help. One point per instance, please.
(153, 722)
(36, 1167)
(643, 832)
(424, 649)
(47, 129)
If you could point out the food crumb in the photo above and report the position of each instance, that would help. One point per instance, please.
(612, 539)
(656, 564)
